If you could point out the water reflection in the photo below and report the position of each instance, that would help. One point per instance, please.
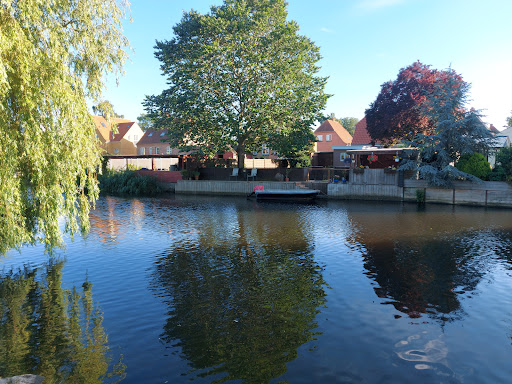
(422, 263)
(50, 331)
(243, 295)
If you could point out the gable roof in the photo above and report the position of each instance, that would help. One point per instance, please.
(102, 126)
(122, 129)
(118, 120)
(333, 126)
(153, 136)
(361, 135)
(507, 132)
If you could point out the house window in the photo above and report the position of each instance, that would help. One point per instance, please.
(142, 151)
(162, 134)
(319, 137)
(264, 149)
(328, 137)
(168, 150)
(116, 150)
(157, 150)
(150, 134)
(150, 150)
(135, 138)
(345, 158)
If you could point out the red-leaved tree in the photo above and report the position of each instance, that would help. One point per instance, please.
(398, 114)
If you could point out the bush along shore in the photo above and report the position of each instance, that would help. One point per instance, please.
(127, 183)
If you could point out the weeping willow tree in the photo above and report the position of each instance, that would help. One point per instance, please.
(54, 55)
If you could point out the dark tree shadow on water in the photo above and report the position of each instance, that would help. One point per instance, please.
(241, 304)
(427, 276)
(52, 332)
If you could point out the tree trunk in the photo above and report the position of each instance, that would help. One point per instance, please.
(240, 152)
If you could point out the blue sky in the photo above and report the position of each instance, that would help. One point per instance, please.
(364, 43)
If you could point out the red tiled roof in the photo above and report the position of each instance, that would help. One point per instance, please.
(332, 125)
(361, 135)
(153, 136)
(122, 128)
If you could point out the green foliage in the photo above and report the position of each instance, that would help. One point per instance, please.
(132, 167)
(295, 145)
(509, 120)
(503, 168)
(127, 183)
(185, 174)
(238, 76)
(105, 109)
(53, 56)
(145, 122)
(349, 123)
(475, 164)
(52, 332)
(420, 196)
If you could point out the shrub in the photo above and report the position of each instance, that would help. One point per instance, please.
(498, 174)
(420, 196)
(127, 183)
(474, 164)
(504, 163)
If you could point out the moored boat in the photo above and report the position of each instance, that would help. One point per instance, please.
(300, 195)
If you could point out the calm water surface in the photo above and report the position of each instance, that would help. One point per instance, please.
(228, 290)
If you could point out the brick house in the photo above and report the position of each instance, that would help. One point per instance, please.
(331, 133)
(124, 142)
(156, 142)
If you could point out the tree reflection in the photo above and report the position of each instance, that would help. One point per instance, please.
(422, 264)
(52, 332)
(242, 302)
(419, 277)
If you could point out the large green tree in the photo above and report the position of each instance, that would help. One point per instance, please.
(238, 76)
(53, 56)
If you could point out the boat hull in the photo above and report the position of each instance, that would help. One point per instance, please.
(287, 195)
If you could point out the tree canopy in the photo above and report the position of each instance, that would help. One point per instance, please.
(145, 122)
(105, 109)
(238, 77)
(53, 56)
(509, 120)
(456, 131)
(397, 112)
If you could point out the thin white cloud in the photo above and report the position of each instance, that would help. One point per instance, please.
(372, 5)
(326, 30)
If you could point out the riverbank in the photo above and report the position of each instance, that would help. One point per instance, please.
(486, 194)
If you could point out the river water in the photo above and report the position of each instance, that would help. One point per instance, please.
(201, 289)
